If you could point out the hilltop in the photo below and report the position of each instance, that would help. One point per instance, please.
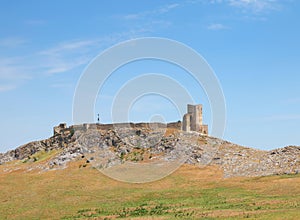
(56, 179)
(143, 143)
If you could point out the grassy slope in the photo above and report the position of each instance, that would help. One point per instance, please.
(189, 193)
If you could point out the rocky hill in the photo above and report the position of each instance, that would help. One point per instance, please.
(109, 145)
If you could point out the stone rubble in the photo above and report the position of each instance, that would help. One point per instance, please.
(109, 147)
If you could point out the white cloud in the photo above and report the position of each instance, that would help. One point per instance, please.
(69, 47)
(253, 6)
(14, 69)
(217, 26)
(66, 65)
(61, 85)
(11, 42)
(167, 8)
(62, 58)
(158, 11)
(256, 6)
(4, 88)
(13, 72)
(67, 56)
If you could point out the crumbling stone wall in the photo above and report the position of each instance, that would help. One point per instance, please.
(62, 128)
(59, 129)
(193, 120)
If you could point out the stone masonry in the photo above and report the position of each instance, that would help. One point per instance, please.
(192, 120)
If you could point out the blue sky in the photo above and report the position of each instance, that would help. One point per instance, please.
(252, 45)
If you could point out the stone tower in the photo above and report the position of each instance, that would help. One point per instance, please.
(192, 120)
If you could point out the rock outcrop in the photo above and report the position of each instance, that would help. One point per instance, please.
(107, 145)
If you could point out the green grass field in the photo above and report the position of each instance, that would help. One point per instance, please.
(189, 193)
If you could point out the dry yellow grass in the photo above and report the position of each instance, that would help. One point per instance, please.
(191, 192)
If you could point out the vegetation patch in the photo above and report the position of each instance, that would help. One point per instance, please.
(41, 156)
(188, 193)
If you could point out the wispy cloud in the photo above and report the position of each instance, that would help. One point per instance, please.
(4, 88)
(150, 21)
(63, 57)
(13, 69)
(69, 47)
(62, 85)
(255, 10)
(256, 6)
(167, 8)
(158, 11)
(61, 66)
(217, 26)
(11, 42)
(67, 56)
(247, 6)
(13, 72)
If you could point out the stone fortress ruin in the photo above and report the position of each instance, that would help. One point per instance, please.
(192, 121)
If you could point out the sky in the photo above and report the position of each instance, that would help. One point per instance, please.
(252, 46)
